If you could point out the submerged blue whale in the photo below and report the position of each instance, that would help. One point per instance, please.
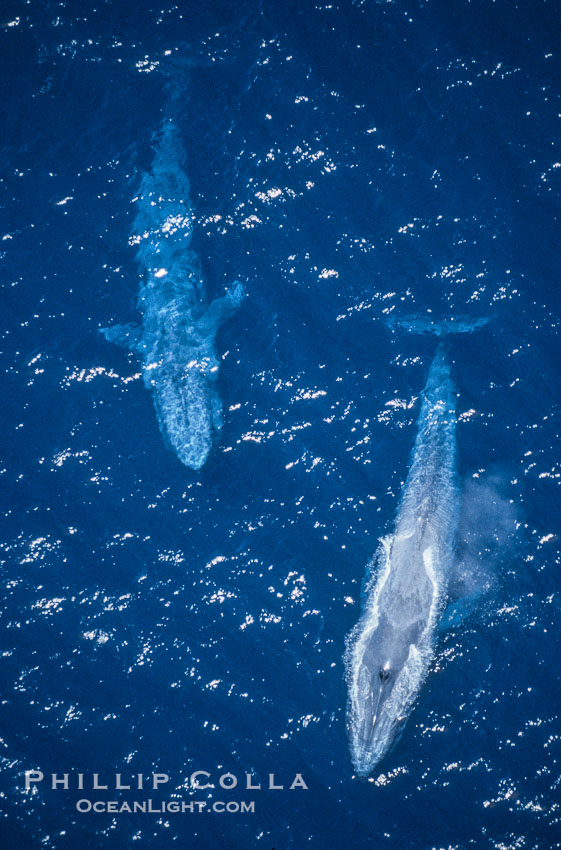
(390, 651)
(176, 339)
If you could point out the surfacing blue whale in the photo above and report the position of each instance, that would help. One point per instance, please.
(176, 339)
(390, 651)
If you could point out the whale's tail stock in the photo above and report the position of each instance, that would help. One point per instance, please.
(427, 324)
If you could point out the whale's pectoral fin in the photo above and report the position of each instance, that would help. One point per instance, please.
(470, 582)
(468, 585)
(126, 336)
(221, 309)
(458, 612)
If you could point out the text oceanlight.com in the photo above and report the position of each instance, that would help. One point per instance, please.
(164, 806)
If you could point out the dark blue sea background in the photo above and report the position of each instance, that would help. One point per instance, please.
(351, 163)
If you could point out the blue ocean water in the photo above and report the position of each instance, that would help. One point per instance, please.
(350, 162)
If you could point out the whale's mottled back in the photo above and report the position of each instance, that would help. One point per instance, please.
(390, 650)
(176, 339)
